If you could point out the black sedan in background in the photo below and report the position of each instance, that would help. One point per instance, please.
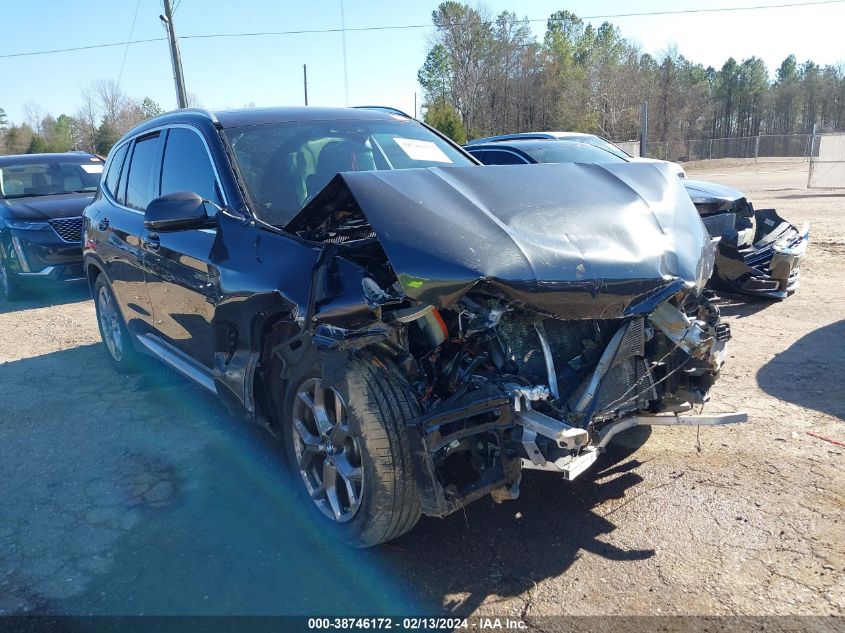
(41, 201)
(759, 252)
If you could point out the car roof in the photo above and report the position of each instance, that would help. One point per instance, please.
(529, 135)
(523, 144)
(259, 116)
(65, 157)
(388, 109)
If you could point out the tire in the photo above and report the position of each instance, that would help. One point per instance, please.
(113, 331)
(373, 450)
(9, 290)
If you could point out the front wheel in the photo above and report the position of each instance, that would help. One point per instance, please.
(348, 452)
(9, 290)
(113, 330)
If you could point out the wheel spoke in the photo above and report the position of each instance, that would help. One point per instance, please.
(339, 409)
(330, 484)
(311, 444)
(339, 434)
(346, 470)
(321, 416)
(305, 435)
(306, 400)
(352, 494)
(307, 456)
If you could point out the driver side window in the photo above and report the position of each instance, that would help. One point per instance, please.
(187, 167)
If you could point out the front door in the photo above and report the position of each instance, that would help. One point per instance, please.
(182, 285)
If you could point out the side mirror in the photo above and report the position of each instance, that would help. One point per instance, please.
(176, 211)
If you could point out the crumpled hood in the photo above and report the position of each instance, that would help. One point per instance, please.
(708, 192)
(40, 208)
(570, 240)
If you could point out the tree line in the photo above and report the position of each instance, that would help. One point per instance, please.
(487, 75)
(105, 113)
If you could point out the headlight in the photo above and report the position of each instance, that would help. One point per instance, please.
(22, 261)
(26, 225)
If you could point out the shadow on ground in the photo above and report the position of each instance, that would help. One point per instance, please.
(740, 306)
(126, 495)
(814, 194)
(809, 373)
(505, 550)
(40, 297)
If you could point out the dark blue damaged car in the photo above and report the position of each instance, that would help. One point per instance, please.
(415, 328)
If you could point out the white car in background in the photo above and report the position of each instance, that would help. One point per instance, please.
(581, 137)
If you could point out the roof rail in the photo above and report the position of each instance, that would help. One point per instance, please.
(514, 137)
(203, 111)
(388, 109)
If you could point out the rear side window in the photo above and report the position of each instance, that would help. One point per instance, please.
(498, 157)
(187, 166)
(142, 181)
(110, 181)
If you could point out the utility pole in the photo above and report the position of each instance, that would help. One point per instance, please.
(305, 82)
(175, 57)
(644, 129)
(343, 40)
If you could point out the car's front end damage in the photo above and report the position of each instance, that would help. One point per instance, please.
(531, 322)
(759, 253)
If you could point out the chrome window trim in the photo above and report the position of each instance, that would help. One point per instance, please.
(160, 129)
(107, 166)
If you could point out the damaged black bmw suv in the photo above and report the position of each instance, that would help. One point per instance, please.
(415, 328)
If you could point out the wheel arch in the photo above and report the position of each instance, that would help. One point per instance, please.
(93, 269)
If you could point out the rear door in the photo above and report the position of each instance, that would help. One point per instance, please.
(120, 226)
(181, 283)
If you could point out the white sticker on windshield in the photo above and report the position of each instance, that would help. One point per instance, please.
(93, 169)
(422, 150)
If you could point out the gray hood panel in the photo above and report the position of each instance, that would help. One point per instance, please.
(569, 240)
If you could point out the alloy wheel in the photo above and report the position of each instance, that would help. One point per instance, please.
(5, 282)
(110, 323)
(328, 455)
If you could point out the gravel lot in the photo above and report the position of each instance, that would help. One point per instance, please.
(127, 495)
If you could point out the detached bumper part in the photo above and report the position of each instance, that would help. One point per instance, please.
(770, 266)
(572, 466)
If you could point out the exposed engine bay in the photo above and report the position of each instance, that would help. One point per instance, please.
(531, 329)
(759, 252)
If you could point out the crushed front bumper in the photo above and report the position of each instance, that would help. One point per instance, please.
(770, 266)
(503, 428)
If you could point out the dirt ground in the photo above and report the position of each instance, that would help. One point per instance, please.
(128, 495)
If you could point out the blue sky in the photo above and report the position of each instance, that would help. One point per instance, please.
(382, 65)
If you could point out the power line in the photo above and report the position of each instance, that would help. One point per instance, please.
(82, 48)
(400, 27)
(128, 39)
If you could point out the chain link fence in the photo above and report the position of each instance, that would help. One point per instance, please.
(763, 146)
(827, 161)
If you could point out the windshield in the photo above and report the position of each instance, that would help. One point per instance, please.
(566, 152)
(284, 165)
(49, 178)
(607, 146)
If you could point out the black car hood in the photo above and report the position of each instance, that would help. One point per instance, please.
(569, 240)
(708, 192)
(40, 208)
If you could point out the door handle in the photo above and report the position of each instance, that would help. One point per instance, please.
(151, 242)
(103, 224)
